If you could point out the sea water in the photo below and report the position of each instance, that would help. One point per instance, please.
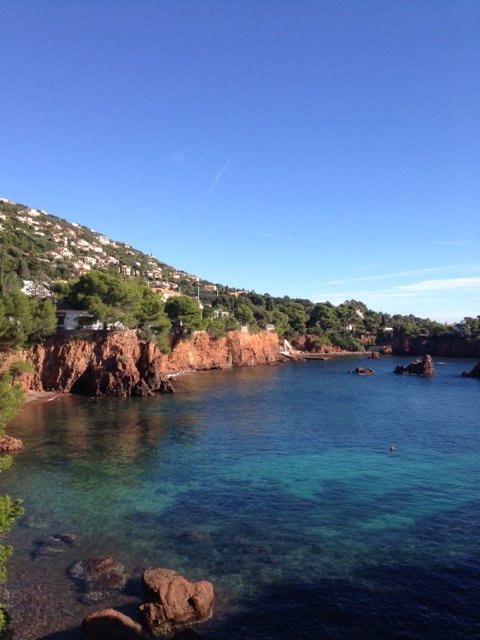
(278, 485)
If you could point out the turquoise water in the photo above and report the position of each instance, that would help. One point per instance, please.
(277, 485)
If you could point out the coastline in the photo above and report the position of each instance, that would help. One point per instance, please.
(328, 356)
(40, 396)
(35, 396)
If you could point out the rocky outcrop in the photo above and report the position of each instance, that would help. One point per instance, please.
(173, 602)
(109, 624)
(9, 443)
(176, 601)
(362, 371)
(473, 373)
(51, 546)
(119, 364)
(423, 367)
(453, 346)
(97, 578)
(311, 344)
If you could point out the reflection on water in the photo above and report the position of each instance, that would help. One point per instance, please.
(275, 483)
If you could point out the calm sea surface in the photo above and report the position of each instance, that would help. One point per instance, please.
(274, 483)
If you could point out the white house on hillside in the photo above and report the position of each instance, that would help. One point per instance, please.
(71, 319)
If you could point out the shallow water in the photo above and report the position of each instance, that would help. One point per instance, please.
(274, 483)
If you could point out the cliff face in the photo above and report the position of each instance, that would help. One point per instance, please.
(310, 344)
(117, 363)
(449, 346)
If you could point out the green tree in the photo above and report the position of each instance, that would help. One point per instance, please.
(16, 322)
(297, 317)
(153, 322)
(61, 289)
(215, 328)
(184, 314)
(107, 298)
(244, 314)
(231, 324)
(18, 368)
(280, 320)
(11, 398)
(324, 317)
(471, 326)
(152, 312)
(44, 320)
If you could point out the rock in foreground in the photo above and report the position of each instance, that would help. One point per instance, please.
(423, 367)
(473, 373)
(9, 443)
(51, 546)
(110, 625)
(362, 371)
(97, 578)
(175, 601)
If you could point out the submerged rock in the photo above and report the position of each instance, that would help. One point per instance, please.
(175, 600)
(423, 367)
(97, 578)
(50, 546)
(9, 443)
(361, 371)
(166, 386)
(110, 624)
(193, 536)
(473, 373)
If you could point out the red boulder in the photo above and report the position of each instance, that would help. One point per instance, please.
(175, 600)
(110, 625)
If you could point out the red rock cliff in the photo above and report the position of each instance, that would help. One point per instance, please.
(117, 363)
(448, 345)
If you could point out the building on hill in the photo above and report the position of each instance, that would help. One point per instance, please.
(219, 313)
(69, 319)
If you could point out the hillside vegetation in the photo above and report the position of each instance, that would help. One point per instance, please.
(45, 261)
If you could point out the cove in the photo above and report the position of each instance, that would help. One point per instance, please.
(274, 483)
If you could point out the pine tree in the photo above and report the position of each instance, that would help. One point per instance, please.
(11, 398)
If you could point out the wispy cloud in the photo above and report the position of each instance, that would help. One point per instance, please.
(447, 284)
(372, 295)
(218, 176)
(425, 301)
(413, 290)
(406, 274)
(427, 297)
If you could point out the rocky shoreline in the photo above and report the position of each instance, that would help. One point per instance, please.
(60, 543)
(449, 346)
(117, 363)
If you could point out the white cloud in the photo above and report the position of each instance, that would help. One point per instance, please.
(426, 298)
(218, 176)
(377, 295)
(403, 274)
(448, 284)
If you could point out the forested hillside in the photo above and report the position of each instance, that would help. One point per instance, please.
(46, 261)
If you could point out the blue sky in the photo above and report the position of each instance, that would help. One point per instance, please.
(326, 150)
